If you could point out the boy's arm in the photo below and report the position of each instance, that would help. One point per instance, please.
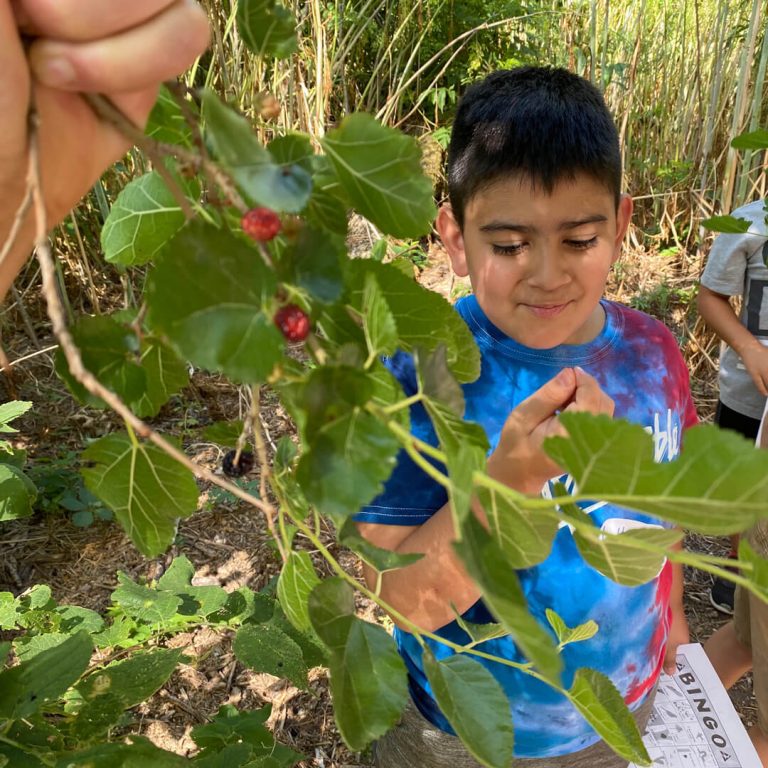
(718, 313)
(124, 50)
(427, 591)
(678, 630)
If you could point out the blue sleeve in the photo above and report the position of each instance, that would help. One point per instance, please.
(410, 496)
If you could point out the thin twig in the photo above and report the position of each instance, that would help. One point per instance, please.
(18, 221)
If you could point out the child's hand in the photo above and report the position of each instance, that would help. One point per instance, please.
(121, 49)
(519, 460)
(755, 359)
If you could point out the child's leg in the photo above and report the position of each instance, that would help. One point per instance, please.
(759, 732)
(730, 658)
(760, 743)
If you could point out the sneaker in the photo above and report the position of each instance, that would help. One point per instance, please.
(721, 595)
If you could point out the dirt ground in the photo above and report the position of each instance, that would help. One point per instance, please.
(229, 544)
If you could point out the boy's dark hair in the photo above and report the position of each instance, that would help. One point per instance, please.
(543, 123)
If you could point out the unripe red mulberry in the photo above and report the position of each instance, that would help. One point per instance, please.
(292, 322)
(262, 224)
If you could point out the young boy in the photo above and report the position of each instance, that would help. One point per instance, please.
(742, 644)
(536, 219)
(737, 267)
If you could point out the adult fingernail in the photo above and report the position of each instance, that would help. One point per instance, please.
(55, 71)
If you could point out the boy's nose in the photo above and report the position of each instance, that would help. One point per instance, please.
(546, 272)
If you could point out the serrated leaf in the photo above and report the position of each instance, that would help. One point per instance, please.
(291, 149)
(728, 224)
(74, 618)
(601, 705)
(26, 687)
(297, 579)
(143, 217)
(117, 634)
(424, 319)
(96, 716)
(195, 601)
(525, 536)
(475, 705)
(266, 648)
(380, 559)
(145, 604)
(10, 411)
(436, 381)
(166, 121)
(207, 295)
(718, 484)
(752, 140)
(165, 375)
(479, 633)
(17, 493)
(110, 351)
(29, 646)
(263, 182)
(566, 634)
(140, 753)
(313, 261)
(347, 463)
(368, 676)
(380, 169)
(231, 726)
(145, 488)
(8, 611)
(267, 28)
(223, 432)
(378, 323)
(132, 680)
(487, 564)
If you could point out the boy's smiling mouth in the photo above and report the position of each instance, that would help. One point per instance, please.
(545, 310)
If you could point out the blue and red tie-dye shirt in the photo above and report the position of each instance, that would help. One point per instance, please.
(636, 361)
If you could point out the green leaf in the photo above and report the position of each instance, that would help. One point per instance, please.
(380, 559)
(132, 680)
(110, 351)
(752, 140)
(145, 604)
(347, 463)
(118, 634)
(26, 687)
(479, 633)
(487, 564)
(262, 181)
(166, 121)
(436, 381)
(475, 705)
(297, 580)
(368, 676)
(207, 295)
(17, 493)
(8, 611)
(165, 375)
(140, 753)
(717, 485)
(525, 536)
(758, 577)
(267, 28)
(74, 618)
(291, 149)
(314, 262)
(10, 411)
(728, 224)
(223, 432)
(378, 323)
(146, 489)
(266, 648)
(231, 726)
(566, 634)
(28, 646)
(96, 716)
(380, 169)
(144, 216)
(601, 705)
(424, 319)
(197, 602)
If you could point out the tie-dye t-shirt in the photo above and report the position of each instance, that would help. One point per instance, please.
(636, 361)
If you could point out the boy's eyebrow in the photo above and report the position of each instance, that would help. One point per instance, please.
(500, 226)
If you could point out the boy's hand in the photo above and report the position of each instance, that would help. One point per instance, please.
(121, 49)
(519, 460)
(755, 358)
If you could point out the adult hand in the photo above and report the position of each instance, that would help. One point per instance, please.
(121, 49)
(755, 358)
(519, 460)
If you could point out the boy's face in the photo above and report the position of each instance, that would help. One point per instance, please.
(538, 262)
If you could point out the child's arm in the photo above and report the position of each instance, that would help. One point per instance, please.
(718, 313)
(678, 630)
(426, 591)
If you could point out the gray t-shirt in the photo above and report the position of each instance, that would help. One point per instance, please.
(736, 267)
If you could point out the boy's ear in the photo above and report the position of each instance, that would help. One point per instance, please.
(623, 217)
(453, 240)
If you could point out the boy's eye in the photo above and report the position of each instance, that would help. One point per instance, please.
(582, 244)
(509, 249)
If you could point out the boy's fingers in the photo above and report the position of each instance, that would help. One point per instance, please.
(589, 397)
(128, 61)
(81, 20)
(545, 401)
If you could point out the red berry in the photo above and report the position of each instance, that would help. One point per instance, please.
(262, 224)
(292, 322)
